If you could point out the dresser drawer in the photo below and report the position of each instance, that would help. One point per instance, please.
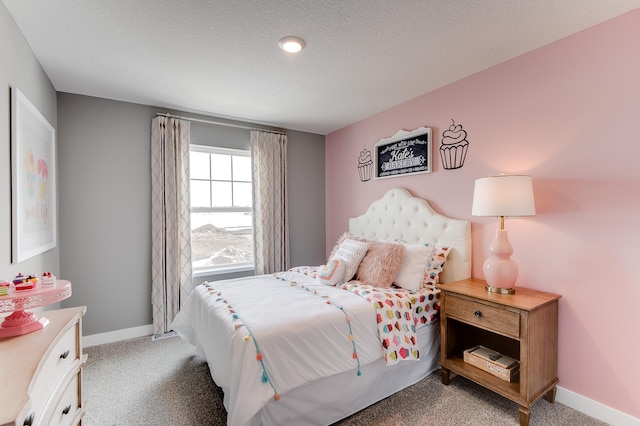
(63, 354)
(488, 317)
(66, 407)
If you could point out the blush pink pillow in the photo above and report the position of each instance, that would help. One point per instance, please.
(381, 264)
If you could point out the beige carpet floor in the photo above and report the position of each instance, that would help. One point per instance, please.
(163, 382)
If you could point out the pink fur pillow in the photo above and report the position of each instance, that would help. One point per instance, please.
(381, 264)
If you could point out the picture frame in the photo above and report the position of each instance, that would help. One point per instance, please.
(406, 152)
(33, 180)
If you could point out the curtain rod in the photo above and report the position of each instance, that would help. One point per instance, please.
(218, 123)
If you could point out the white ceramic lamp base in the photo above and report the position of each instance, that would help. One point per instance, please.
(500, 271)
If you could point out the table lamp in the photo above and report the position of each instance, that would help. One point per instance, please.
(502, 196)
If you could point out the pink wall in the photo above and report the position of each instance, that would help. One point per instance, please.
(566, 114)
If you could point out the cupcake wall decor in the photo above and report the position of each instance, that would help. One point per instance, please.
(453, 149)
(365, 165)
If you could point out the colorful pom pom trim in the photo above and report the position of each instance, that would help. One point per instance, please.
(347, 318)
(250, 336)
(241, 323)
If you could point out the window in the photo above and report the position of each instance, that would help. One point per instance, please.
(221, 210)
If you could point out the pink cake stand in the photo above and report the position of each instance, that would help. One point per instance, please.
(23, 322)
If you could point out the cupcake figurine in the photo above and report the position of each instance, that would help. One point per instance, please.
(454, 147)
(48, 278)
(365, 165)
(20, 282)
(19, 279)
(4, 287)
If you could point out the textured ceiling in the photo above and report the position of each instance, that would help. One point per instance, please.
(221, 58)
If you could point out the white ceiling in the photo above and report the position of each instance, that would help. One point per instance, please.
(221, 58)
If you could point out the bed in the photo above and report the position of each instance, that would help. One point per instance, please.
(288, 348)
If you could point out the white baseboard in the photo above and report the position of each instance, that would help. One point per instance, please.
(595, 409)
(116, 336)
(564, 396)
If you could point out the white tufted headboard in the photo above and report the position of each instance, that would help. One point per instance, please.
(400, 216)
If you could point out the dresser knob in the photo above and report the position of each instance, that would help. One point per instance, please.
(65, 354)
(66, 409)
(28, 421)
(478, 314)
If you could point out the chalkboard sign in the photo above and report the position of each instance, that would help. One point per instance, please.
(404, 153)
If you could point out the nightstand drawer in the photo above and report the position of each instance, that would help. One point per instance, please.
(484, 316)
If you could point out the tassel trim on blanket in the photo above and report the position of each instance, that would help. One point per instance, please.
(240, 322)
(347, 318)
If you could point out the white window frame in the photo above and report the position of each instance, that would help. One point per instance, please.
(241, 267)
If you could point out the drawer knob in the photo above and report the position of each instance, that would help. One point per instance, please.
(28, 421)
(66, 409)
(65, 354)
(478, 314)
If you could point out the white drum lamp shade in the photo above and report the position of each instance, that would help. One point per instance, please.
(502, 196)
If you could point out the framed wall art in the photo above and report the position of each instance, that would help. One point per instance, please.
(33, 180)
(406, 152)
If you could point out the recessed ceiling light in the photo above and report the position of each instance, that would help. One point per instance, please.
(291, 44)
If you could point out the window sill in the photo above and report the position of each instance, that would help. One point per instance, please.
(222, 271)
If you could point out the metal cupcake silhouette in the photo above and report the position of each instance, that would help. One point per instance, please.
(365, 165)
(453, 149)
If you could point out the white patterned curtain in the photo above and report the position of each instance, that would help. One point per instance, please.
(270, 211)
(170, 220)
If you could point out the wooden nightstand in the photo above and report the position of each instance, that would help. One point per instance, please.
(523, 325)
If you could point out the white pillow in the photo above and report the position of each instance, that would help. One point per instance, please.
(416, 260)
(351, 252)
(332, 273)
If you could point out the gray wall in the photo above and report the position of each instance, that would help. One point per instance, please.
(105, 204)
(19, 68)
(105, 197)
(305, 164)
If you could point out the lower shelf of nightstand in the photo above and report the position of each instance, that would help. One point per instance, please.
(507, 389)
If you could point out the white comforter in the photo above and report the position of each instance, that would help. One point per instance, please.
(297, 326)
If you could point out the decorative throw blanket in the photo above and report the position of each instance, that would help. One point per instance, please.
(265, 335)
(399, 313)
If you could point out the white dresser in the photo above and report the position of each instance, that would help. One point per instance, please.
(41, 373)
